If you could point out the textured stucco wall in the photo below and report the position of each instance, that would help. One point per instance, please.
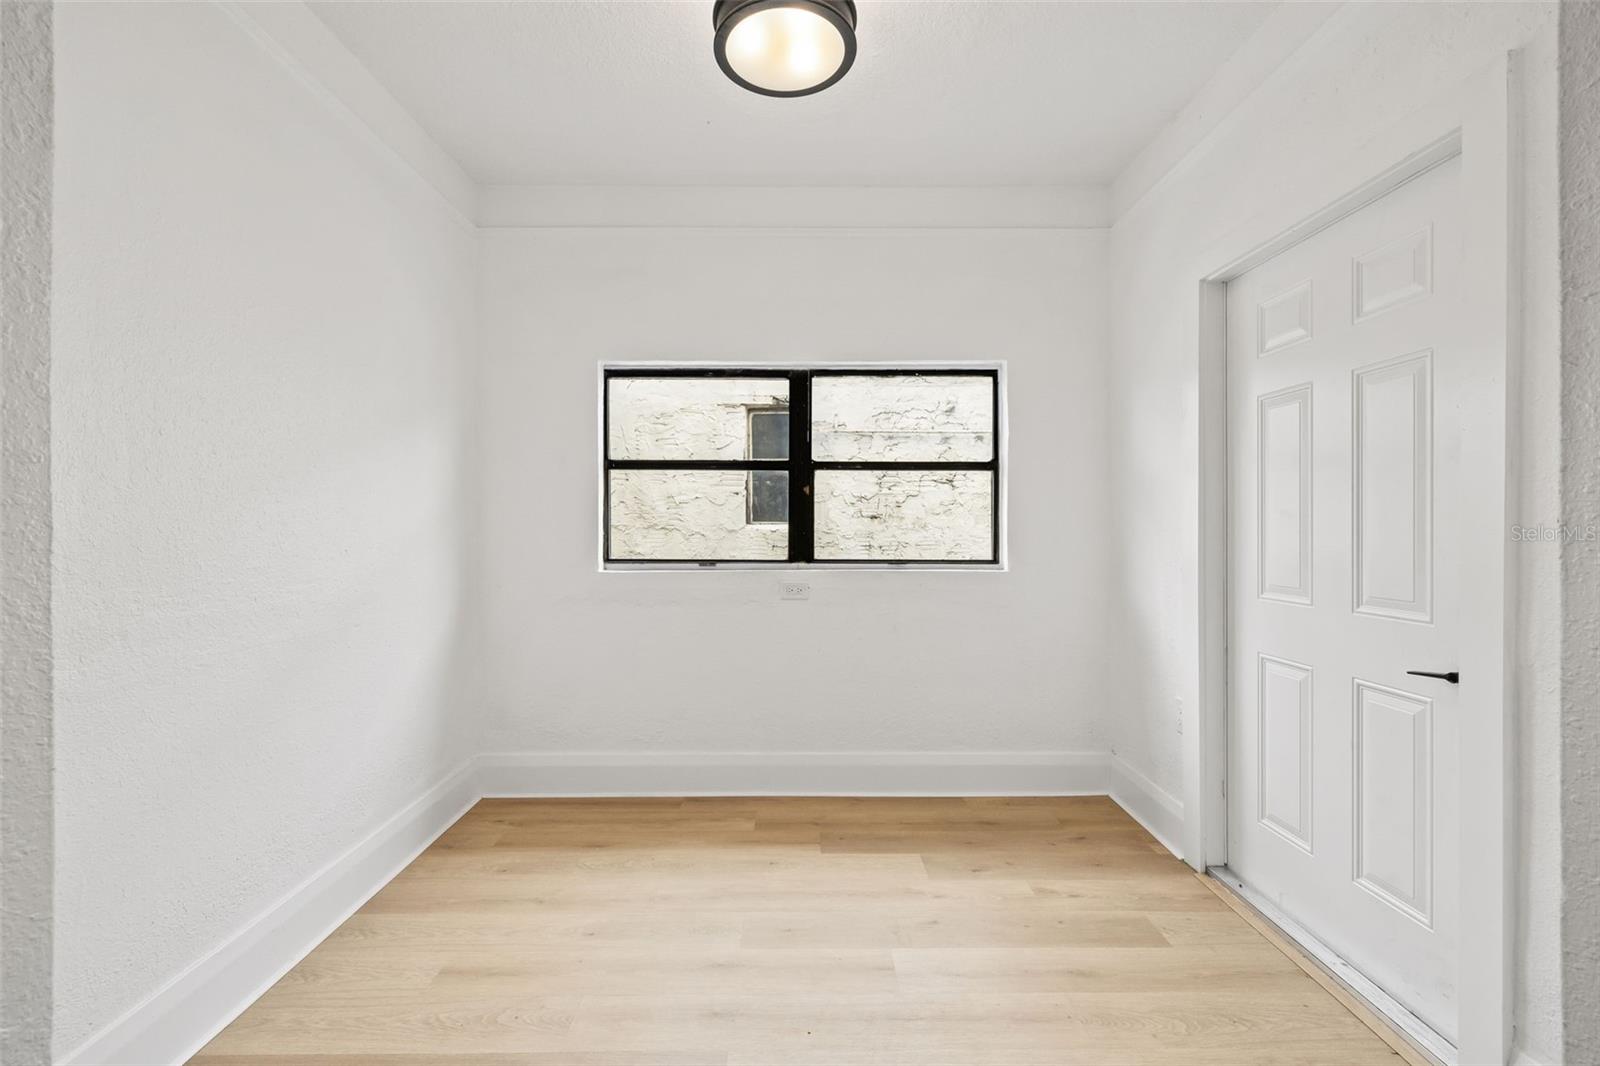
(1368, 68)
(26, 840)
(714, 661)
(688, 514)
(1580, 563)
(264, 334)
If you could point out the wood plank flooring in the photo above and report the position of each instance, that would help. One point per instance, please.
(736, 932)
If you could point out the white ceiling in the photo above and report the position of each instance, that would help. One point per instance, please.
(943, 92)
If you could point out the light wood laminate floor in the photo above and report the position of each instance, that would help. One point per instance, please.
(633, 932)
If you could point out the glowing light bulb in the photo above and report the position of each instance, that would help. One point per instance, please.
(749, 40)
(805, 58)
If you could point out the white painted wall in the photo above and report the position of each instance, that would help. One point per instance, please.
(264, 339)
(713, 661)
(1364, 69)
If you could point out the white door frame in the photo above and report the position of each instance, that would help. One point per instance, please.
(1478, 120)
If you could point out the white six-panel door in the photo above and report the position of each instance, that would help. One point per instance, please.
(1344, 482)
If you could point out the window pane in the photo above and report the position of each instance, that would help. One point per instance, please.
(687, 418)
(691, 514)
(769, 496)
(904, 514)
(902, 418)
(769, 434)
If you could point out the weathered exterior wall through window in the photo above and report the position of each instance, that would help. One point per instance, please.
(902, 419)
(689, 514)
(860, 514)
(912, 514)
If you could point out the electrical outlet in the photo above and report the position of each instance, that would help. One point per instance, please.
(1179, 702)
(794, 590)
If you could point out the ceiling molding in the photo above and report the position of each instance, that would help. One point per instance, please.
(290, 33)
(793, 207)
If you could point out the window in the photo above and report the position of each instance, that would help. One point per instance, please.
(726, 465)
(769, 439)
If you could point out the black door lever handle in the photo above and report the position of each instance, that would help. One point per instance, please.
(1453, 677)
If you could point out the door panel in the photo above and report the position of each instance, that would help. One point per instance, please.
(1343, 470)
(1395, 274)
(1284, 484)
(1393, 495)
(1285, 750)
(1284, 319)
(1394, 789)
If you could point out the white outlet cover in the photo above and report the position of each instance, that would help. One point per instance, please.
(795, 590)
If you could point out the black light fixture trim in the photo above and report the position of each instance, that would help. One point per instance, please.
(726, 14)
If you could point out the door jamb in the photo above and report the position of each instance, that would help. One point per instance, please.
(1479, 121)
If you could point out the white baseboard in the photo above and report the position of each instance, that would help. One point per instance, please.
(834, 773)
(793, 773)
(182, 1016)
(1157, 810)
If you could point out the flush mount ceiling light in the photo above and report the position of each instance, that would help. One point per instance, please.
(785, 47)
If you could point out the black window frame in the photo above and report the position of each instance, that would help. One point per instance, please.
(800, 465)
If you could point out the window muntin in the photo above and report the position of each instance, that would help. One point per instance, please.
(817, 465)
